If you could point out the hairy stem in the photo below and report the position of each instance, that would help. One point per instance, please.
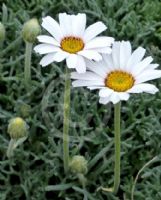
(28, 64)
(66, 121)
(117, 147)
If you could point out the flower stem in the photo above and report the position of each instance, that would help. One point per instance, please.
(117, 146)
(66, 121)
(28, 63)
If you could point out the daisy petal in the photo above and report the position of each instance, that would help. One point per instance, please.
(152, 66)
(79, 24)
(81, 65)
(138, 68)
(46, 48)
(72, 61)
(97, 68)
(46, 60)
(109, 62)
(148, 75)
(116, 55)
(52, 27)
(95, 87)
(125, 53)
(104, 100)
(123, 96)
(105, 92)
(60, 56)
(143, 87)
(114, 98)
(48, 40)
(99, 42)
(81, 83)
(92, 55)
(65, 24)
(88, 76)
(93, 30)
(105, 50)
(135, 58)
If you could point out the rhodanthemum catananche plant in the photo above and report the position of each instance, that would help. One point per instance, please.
(116, 76)
(71, 40)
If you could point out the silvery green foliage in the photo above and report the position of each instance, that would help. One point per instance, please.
(37, 163)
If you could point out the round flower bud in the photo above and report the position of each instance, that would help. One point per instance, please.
(31, 30)
(25, 110)
(17, 128)
(78, 165)
(2, 32)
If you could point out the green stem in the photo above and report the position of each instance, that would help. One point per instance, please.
(66, 121)
(28, 63)
(117, 146)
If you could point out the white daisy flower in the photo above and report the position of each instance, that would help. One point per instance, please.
(71, 41)
(119, 74)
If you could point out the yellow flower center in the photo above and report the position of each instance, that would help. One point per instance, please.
(72, 44)
(119, 81)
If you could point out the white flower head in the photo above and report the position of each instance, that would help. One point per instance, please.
(71, 40)
(119, 74)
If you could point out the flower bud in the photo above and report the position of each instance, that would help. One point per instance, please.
(17, 128)
(31, 30)
(25, 110)
(2, 32)
(78, 165)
